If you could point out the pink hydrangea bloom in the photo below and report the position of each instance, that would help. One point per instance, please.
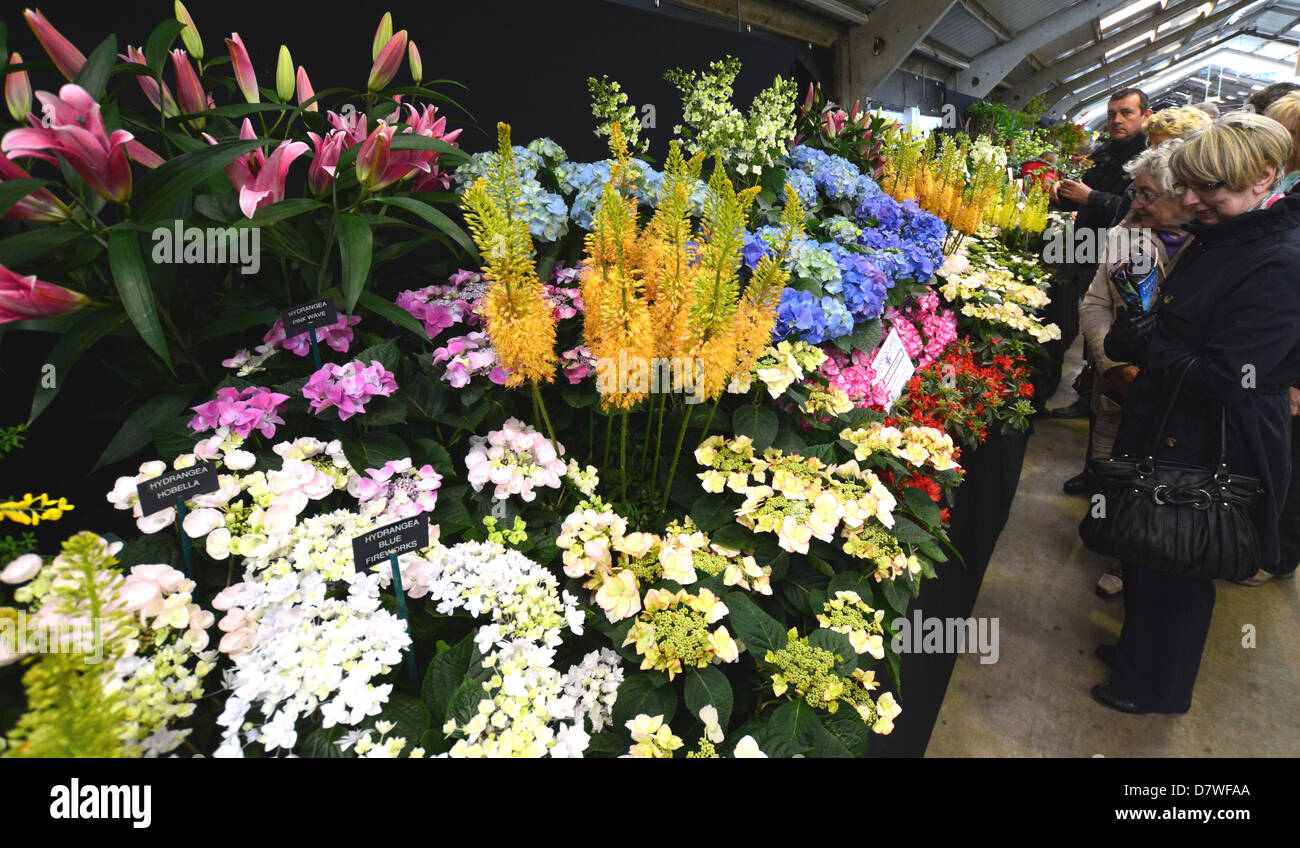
(337, 335)
(516, 459)
(437, 307)
(577, 364)
(348, 387)
(469, 356)
(398, 490)
(254, 408)
(925, 328)
(855, 376)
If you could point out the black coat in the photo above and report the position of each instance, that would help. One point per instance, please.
(1233, 302)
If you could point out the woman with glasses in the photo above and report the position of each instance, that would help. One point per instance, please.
(1231, 309)
(1140, 251)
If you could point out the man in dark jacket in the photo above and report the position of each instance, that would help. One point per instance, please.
(1096, 198)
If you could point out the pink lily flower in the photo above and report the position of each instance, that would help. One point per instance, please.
(40, 205)
(260, 178)
(325, 160)
(387, 62)
(18, 90)
(160, 98)
(67, 58)
(305, 91)
(352, 125)
(188, 88)
(835, 122)
(143, 155)
(243, 65)
(373, 158)
(77, 132)
(23, 298)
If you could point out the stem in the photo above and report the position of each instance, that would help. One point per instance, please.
(609, 434)
(659, 434)
(329, 249)
(622, 460)
(546, 419)
(681, 436)
(650, 415)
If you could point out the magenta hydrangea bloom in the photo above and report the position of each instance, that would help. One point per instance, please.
(337, 335)
(855, 376)
(397, 491)
(254, 408)
(925, 328)
(348, 387)
(577, 363)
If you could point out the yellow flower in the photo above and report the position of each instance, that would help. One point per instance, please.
(517, 316)
(33, 509)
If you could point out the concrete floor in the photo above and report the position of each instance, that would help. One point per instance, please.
(1035, 702)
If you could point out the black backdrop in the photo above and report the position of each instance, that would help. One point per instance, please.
(523, 61)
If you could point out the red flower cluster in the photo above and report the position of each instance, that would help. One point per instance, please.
(962, 396)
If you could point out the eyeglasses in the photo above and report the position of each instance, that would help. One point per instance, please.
(1144, 197)
(1200, 188)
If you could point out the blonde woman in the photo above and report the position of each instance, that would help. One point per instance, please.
(1230, 307)
(1148, 242)
(1174, 122)
(1286, 111)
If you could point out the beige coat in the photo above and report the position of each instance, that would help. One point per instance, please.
(1101, 304)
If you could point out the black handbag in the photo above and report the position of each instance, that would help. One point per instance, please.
(1179, 518)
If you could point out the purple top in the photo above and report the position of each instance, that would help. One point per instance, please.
(1173, 243)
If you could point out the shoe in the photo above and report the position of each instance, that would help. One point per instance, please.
(1110, 585)
(1080, 484)
(1259, 578)
(1106, 653)
(1079, 409)
(1102, 694)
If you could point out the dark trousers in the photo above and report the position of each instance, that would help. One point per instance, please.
(1166, 622)
(1288, 523)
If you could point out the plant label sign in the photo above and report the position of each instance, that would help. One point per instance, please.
(893, 366)
(400, 537)
(301, 318)
(164, 491)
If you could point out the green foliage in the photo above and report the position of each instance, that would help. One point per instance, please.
(70, 710)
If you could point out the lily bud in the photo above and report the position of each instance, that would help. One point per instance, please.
(284, 80)
(417, 67)
(189, 91)
(243, 65)
(189, 35)
(387, 62)
(67, 58)
(382, 35)
(18, 90)
(305, 91)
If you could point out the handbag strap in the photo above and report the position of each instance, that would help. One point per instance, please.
(1169, 408)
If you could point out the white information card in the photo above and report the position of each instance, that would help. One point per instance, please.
(893, 366)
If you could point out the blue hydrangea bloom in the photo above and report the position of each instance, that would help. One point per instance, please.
(813, 261)
(885, 211)
(754, 250)
(837, 178)
(806, 158)
(866, 188)
(812, 319)
(803, 185)
(864, 285)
